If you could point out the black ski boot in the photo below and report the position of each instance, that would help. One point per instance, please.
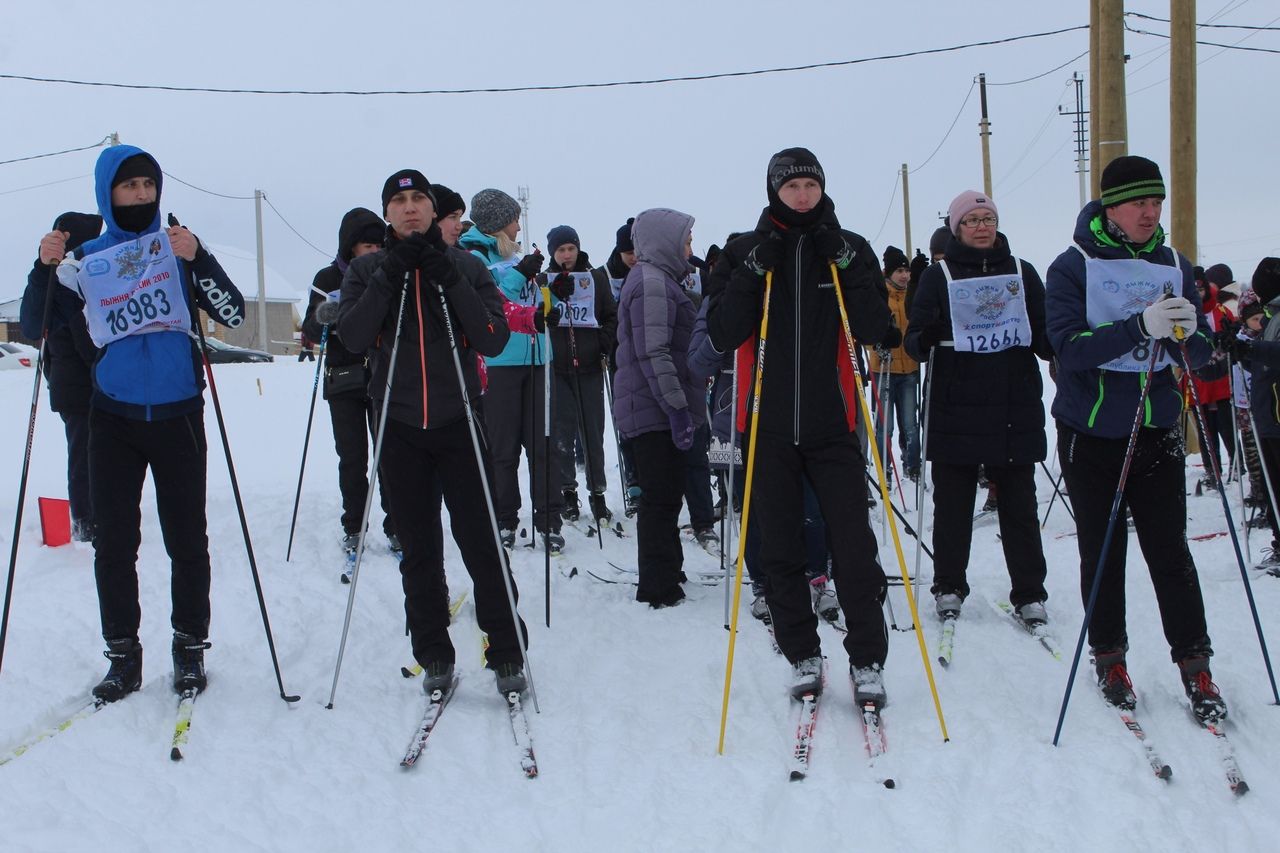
(188, 662)
(598, 508)
(510, 678)
(572, 509)
(1113, 680)
(1206, 701)
(125, 674)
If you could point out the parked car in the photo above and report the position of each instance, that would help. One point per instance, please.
(17, 356)
(220, 352)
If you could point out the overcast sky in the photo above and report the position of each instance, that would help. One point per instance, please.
(593, 157)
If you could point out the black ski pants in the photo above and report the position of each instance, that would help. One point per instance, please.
(834, 468)
(1156, 494)
(120, 452)
(660, 468)
(568, 414)
(76, 426)
(513, 417)
(410, 457)
(353, 426)
(1219, 428)
(954, 490)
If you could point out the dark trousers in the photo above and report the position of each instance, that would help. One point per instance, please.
(120, 452)
(353, 427)
(76, 426)
(697, 480)
(954, 490)
(834, 468)
(1270, 448)
(1219, 427)
(513, 416)
(1156, 494)
(566, 432)
(659, 553)
(817, 552)
(410, 457)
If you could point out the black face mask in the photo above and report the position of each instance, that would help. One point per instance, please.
(135, 218)
(794, 219)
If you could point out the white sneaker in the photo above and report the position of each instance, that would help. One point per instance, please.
(806, 677)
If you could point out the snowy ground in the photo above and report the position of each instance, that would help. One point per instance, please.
(630, 699)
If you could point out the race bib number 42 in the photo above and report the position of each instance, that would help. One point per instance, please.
(133, 288)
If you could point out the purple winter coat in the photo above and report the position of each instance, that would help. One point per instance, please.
(655, 323)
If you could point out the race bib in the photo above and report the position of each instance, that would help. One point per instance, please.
(1115, 290)
(580, 309)
(528, 294)
(1240, 384)
(133, 288)
(988, 314)
(615, 285)
(692, 283)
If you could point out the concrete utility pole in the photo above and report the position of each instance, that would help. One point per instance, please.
(985, 132)
(1082, 146)
(263, 340)
(906, 211)
(1182, 125)
(1095, 169)
(1110, 124)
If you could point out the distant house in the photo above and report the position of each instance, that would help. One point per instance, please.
(282, 300)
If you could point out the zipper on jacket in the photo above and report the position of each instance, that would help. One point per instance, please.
(796, 383)
(422, 345)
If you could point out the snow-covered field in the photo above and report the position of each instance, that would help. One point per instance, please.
(630, 698)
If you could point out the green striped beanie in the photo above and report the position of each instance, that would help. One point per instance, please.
(1128, 178)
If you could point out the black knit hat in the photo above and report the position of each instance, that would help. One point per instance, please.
(1128, 178)
(1266, 279)
(894, 258)
(793, 163)
(405, 179)
(447, 201)
(82, 227)
(137, 166)
(560, 235)
(1219, 274)
(938, 242)
(624, 243)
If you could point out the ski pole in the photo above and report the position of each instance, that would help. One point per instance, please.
(1242, 468)
(1226, 511)
(235, 485)
(732, 475)
(306, 441)
(503, 565)
(1057, 493)
(746, 503)
(906, 525)
(924, 461)
(26, 453)
(1106, 539)
(373, 482)
(546, 455)
(884, 493)
(617, 438)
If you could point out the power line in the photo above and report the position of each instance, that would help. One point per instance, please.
(549, 88)
(1213, 26)
(1026, 149)
(55, 153)
(208, 192)
(1042, 74)
(49, 184)
(1207, 58)
(295, 230)
(1163, 50)
(896, 180)
(1206, 43)
(945, 136)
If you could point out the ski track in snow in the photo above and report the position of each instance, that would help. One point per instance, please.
(630, 698)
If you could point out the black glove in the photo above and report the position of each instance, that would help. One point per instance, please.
(562, 287)
(765, 256)
(530, 264)
(551, 318)
(918, 265)
(438, 267)
(933, 334)
(892, 338)
(1238, 348)
(832, 245)
(400, 259)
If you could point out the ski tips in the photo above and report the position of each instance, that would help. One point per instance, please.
(175, 754)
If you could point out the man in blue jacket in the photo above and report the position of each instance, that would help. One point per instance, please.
(1121, 311)
(148, 407)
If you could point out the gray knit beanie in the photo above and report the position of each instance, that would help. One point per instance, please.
(492, 210)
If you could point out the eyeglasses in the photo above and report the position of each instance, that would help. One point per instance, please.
(972, 222)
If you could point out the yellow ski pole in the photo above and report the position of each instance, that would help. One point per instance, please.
(884, 495)
(746, 506)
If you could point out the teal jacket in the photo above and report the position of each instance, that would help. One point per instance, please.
(521, 350)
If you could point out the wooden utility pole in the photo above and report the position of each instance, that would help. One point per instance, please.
(906, 211)
(985, 132)
(1111, 125)
(1095, 171)
(1182, 125)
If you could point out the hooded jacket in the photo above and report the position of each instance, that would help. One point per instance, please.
(329, 280)
(655, 323)
(984, 408)
(520, 350)
(591, 345)
(424, 391)
(157, 375)
(1092, 400)
(808, 388)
